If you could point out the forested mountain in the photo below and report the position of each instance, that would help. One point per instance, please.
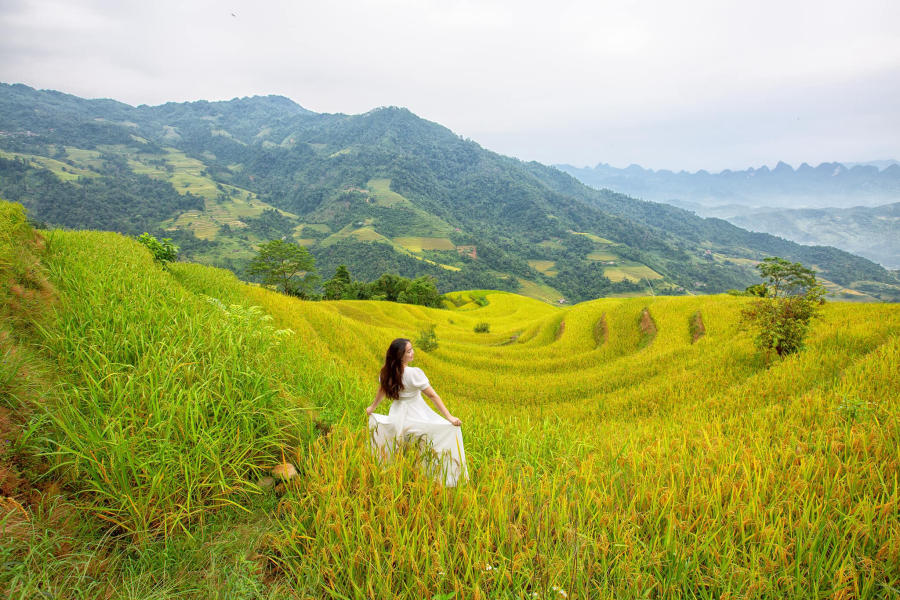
(385, 190)
(870, 231)
(851, 207)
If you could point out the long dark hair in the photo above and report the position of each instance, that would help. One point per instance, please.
(392, 372)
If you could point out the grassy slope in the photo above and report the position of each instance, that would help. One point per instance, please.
(603, 465)
(161, 411)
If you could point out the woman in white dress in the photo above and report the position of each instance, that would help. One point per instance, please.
(410, 417)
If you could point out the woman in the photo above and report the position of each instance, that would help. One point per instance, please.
(410, 416)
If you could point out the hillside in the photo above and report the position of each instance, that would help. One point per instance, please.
(870, 231)
(615, 447)
(385, 190)
(851, 208)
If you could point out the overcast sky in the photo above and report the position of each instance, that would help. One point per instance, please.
(664, 84)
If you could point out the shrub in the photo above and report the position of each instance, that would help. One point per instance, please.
(480, 299)
(163, 251)
(482, 327)
(427, 339)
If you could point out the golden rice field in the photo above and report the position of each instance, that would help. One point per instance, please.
(614, 451)
(607, 461)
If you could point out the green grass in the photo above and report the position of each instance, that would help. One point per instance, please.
(162, 412)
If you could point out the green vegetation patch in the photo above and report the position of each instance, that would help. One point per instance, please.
(551, 244)
(601, 256)
(418, 244)
(384, 196)
(87, 159)
(633, 272)
(367, 234)
(341, 152)
(539, 291)
(64, 171)
(592, 237)
(547, 267)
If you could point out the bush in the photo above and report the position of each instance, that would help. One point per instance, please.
(427, 339)
(163, 251)
(482, 327)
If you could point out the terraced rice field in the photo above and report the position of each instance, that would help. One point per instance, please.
(62, 170)
(616, 448)
(384, 196)
(594, 238)
(538, 291)
(613, 453)
(632, 272)
(600, 256)
(417, 244)
(547, 267)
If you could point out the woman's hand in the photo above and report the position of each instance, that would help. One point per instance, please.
(370, 410)
(454, 421)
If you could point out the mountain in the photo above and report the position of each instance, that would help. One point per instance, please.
(384, 190)
(873, 232)
(846, 206)
(827, 185)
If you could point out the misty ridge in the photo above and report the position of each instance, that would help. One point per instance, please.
(830, 184)
(852, 206)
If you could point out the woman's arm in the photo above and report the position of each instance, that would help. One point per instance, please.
(379, 396)
(429, 391)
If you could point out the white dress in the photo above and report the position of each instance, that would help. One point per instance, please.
(409, 417)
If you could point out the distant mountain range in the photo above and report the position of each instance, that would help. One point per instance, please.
(870, 231)
(381, 191)
(826, 185)
(852, 207)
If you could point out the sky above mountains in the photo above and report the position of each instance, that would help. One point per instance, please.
(676, 85)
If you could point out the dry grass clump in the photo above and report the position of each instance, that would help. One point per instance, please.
(696, 327)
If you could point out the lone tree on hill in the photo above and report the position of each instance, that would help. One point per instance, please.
(790, 297)
(289, 267)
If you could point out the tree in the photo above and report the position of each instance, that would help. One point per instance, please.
(337, 285)
(784, 278)
(421, 290)
(390, 286)
(790, 298)
(287, 266)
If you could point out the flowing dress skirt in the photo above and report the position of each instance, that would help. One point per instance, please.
(413, 420)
